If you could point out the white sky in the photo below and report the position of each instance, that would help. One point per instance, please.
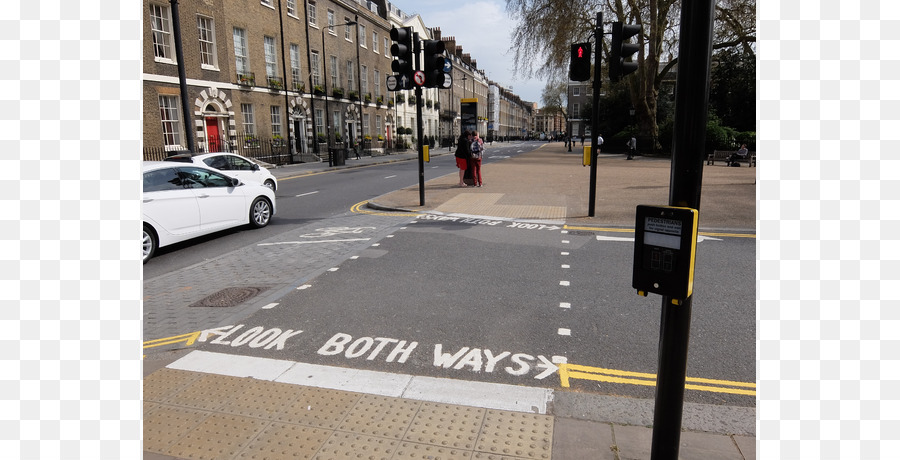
(483, 29)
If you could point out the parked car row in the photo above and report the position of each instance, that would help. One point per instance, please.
(187, 197)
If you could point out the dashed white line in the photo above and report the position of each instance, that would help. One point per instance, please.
(305, 194)
(305, 286)
(269, 306)
(334, 269)
(563, 283)
(563, 253)
(565, 266)
(564, 331)
(565, 305)
(565, 241)
(391, 177)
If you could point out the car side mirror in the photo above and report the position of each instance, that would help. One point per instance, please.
(235, 181)
(255, 167)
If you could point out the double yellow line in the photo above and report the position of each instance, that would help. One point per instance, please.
(188, 340)
(598, 374)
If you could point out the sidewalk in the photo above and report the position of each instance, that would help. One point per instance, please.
(193, 415)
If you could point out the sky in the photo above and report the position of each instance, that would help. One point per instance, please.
(483, 28)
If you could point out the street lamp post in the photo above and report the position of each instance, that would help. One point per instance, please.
(327, 114)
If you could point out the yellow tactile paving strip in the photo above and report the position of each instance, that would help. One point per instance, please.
(489, 204)
(193, 415)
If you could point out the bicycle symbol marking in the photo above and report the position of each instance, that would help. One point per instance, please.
(332, 231)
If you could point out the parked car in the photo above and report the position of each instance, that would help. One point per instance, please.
(183, 201)
(245, 169)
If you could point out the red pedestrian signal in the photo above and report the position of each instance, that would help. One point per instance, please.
(580, 63)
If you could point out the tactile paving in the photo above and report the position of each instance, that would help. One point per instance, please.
(381, 416)
(515, 434)
(414, 451)
(446, 425)
(319, 407)
(344, 446)
(167, 424)
(162, 384)
(285, 441)
(218, 436)
(262, 399)
(206, 392)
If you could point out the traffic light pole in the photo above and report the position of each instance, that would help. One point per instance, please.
(595, 118)
(691, 98)
(417, 49)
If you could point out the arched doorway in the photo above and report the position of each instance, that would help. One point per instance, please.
(217, 133)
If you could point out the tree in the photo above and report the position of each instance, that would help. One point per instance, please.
(546, 29)
(732, 93)
(555, 100)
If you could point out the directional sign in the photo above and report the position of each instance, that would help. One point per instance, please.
(419, 77)
(448, 65)
(404, 82)
(448, 81)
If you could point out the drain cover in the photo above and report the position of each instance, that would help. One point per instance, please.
(228, 297)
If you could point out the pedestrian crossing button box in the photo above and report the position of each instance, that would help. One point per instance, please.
(665, 245)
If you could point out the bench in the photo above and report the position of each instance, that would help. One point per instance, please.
(724, 155)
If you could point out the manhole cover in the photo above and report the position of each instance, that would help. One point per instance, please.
(228, 297)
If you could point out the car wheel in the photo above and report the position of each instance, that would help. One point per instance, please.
(260, 212)
(150, 242)
(270, 184)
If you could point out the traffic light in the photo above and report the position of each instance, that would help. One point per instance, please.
(434, 63)
(621, 50)
(580, 62)
(402, 49)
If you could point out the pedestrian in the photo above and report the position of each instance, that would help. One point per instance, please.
(632, 148)
(477, 149)
(739, 155)
(357, 148)
(462, 155)
(599, 142)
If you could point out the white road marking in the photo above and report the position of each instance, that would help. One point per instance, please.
(306, 194)
(563, 253)
(445, 391)
(565, 305)
(314, 242)
(564, 331)
(391, 177)
(270, 306)
(334, 269)
(565, 266)
(305, 286)
(563, 283)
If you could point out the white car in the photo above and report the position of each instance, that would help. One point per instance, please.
(245, 169)
(184, 200)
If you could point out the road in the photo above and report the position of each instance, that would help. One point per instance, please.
(505, 301)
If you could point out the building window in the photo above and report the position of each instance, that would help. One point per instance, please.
(207, 32)
(248, 125)
(377, 84)
(295, 65)
(335, 78)
(320, 122)
(576, 113)
(171, 125)
(363, 34)
(317, 76)
(311, 12)
(331, 22)
(364, 80)
(241, 61)
(276, 121)
(365, 125)
(576, 91)
(336, 121)
(266, 2)
(271, 65)
(378, 129)
(162, 32)
(350, 73)
(387, 49)
(292, 7)
(375, 41)
(347, 30)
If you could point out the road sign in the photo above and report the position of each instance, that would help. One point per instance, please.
(391, 83)
(448, 65)
(419, 77)
(448, 82)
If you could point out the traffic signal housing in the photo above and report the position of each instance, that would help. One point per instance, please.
(402, 50)
(434, 63)
(580, 62)
(621, 49)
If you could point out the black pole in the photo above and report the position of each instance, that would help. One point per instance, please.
(189, 131)
(691, 99)
(312, 100)
(417, 48)
(595, 119)
(360, 134)
(287, 104)
(327, 115)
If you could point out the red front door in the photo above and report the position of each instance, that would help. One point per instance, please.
(212, 134)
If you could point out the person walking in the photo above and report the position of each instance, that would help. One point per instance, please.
(632, 148)
(462, 155)
(477, 149)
